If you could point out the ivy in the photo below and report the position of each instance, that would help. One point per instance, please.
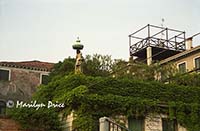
(42, 119)
(108, 96)
(93, 97)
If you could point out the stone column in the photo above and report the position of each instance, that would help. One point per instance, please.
(149, 55)
(104, 124)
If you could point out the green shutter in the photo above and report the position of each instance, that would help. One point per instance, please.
(168, 125)
(135, 124)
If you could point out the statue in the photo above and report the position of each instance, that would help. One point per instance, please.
(79, 60)
(79, 57)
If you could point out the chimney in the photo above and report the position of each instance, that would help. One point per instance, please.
(188, 43)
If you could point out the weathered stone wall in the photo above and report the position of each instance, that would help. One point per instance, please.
(68, 122)
(153, 122)
(23, 83)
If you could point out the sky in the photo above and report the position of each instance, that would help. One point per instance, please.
(45, 30)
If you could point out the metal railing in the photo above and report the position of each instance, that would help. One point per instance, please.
(106, 124)
(156, 36)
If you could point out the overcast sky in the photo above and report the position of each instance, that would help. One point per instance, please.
(46, 29)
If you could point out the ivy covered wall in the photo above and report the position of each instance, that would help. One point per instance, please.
(93, 97)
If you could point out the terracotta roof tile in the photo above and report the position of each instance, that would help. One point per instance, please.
(32, 65)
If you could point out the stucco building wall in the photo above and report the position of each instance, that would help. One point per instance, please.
(190, 61)
(21, 85)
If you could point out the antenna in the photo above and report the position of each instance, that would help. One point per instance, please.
(162, 35)
(162, 25)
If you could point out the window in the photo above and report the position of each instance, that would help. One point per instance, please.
(4, 75)
(168, 125)
(2, 108)
(197, 63)
(182, 67)
(136, 124)
(45, 79)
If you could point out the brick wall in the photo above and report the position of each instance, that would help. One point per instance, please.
(7, 124)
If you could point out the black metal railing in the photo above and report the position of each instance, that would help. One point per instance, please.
(157, 37)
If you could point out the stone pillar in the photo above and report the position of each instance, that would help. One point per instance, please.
(104, 124)
(149, 55)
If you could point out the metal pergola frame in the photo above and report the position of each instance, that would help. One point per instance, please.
(175, 43)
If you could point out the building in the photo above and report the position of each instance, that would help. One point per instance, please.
(185, 61)
(164, 45)
(152, 44)
(19, 80)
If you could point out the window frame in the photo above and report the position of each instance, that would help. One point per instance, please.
(2, 107)
(180, 64)
(175, 124)
(41, 74)
(194, 61)
(141, 119)
(9, 73)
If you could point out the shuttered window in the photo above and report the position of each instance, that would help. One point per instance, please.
(4, 75)
(135, 124)
(168, 125)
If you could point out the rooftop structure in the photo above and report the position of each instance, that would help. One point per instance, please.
(163, 43)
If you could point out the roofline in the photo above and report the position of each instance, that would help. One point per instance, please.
(25, 67)
(182, 54)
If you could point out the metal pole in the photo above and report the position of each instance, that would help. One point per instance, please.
(184, 40)
(130, 45)
(175, 43)
(167, 37)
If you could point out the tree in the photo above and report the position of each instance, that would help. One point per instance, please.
(93, 95)
(63, 68)
(142, 71)
(192, 79)
(97, 65)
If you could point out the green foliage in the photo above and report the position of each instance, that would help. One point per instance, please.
(48, 119)
(93, 97)
(63, 68)
(167, 71)
(97, 65)
(192, 79)
(131, 93)
(142, 71)
(42, 119)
